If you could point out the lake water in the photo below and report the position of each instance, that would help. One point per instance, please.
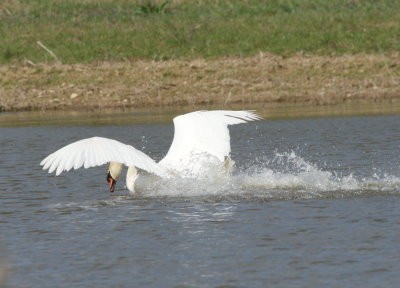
(312, 203)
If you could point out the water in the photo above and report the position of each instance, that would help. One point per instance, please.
(312, 203)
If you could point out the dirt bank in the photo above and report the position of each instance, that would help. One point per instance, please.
(222, 82)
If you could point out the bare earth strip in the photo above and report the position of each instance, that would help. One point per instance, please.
(261, 79)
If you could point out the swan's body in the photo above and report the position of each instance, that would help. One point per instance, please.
(200, 137)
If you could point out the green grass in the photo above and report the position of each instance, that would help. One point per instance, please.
(97, 30)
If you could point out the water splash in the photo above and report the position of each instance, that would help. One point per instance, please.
(285, 176)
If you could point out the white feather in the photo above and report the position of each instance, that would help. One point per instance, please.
(203, 132)
(97, 151)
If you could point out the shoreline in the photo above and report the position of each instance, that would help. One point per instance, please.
(260, 80)
(129, 116)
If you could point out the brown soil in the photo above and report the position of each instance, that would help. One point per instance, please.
(254, 80)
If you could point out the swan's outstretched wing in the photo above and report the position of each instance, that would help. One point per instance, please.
(204, 132)
(97, 151)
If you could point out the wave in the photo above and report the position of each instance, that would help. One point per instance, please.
(88, 205)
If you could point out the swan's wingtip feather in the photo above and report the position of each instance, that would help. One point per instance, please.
(46, 161)
(44, 168)
(242, 116)
(253, 115)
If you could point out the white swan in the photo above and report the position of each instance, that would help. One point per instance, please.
(200, 137)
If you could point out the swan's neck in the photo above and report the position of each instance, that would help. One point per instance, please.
(131, 177)
(115, 170)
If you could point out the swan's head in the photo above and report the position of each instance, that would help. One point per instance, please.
(114, 171)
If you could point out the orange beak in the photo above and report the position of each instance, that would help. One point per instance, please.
(111, 182)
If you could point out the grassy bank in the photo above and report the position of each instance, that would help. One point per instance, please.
(249, 81)
(79, 31)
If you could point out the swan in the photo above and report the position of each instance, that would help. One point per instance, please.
(200, 137)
